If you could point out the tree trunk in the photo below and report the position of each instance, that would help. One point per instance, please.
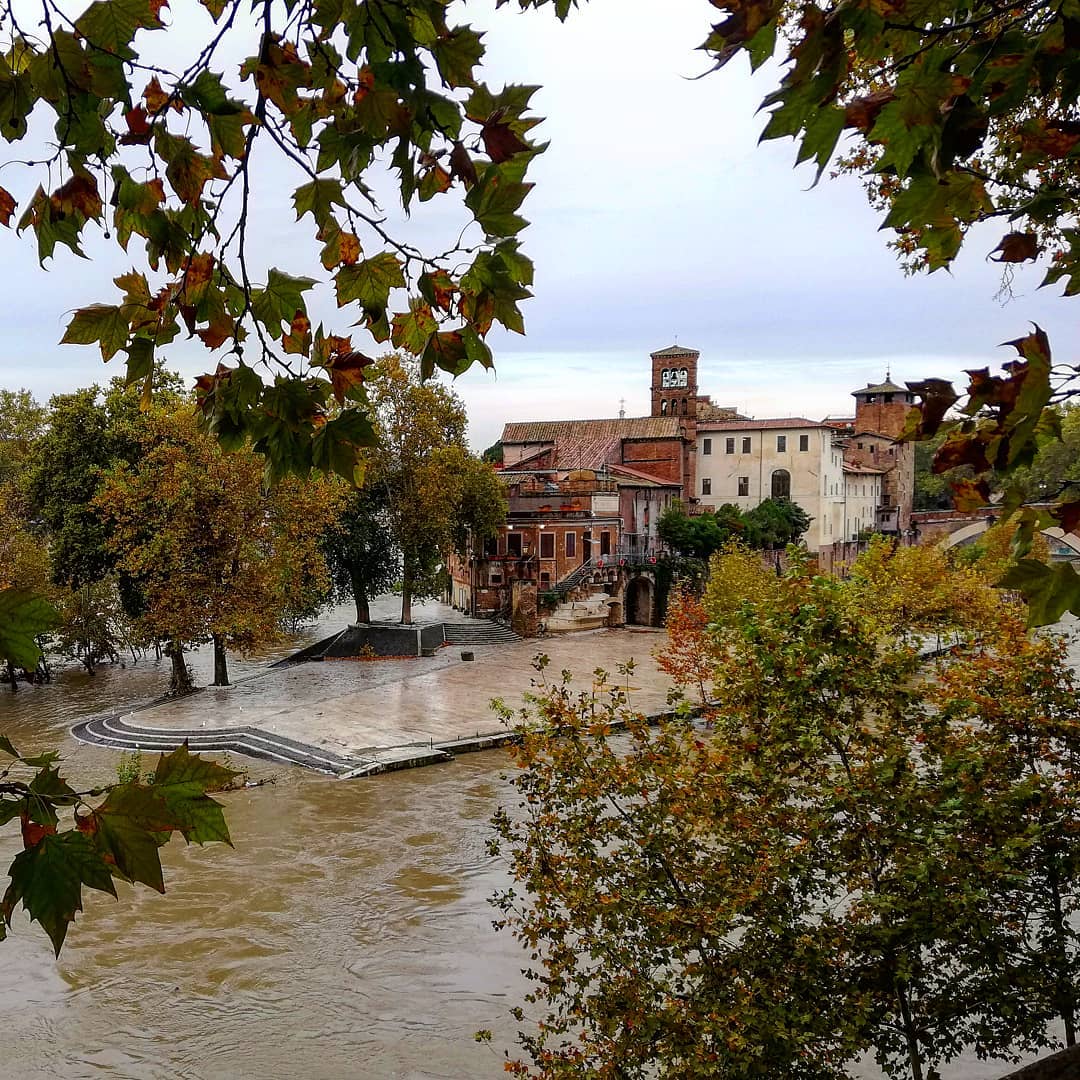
(221, 662)
(406, 593)
(180, 682)
(914, 1055)
(363, 610)
(11, 677)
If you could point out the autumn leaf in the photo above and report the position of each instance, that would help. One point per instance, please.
(346, 372)
(78, 196)
(1017, 247)
(139, 131)
(7, 207)
(500, 140)
(298, 339)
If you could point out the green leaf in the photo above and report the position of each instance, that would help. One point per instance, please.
(48, 880)
(370, 281)
(103, 323)
(318, 199)
(494, 201)
(131, 848)
(457, 54)
(335, 447)
(282, 298)
(23, 615)
(1049, 591)
(110, 25)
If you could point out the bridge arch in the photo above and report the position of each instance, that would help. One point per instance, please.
(977, 528)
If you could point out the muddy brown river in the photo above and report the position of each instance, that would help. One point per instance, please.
(347, 935)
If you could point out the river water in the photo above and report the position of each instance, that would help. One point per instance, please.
(347, 935)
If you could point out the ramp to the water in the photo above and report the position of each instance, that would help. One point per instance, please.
(120, 735)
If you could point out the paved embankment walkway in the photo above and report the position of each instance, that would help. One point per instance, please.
(351, 716)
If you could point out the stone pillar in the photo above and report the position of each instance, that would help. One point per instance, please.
(523, 608)
(615, 613)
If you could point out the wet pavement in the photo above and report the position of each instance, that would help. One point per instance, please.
(358, 708)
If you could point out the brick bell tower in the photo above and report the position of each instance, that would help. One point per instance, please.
(675, 393)
(674, 381)
(883, 409)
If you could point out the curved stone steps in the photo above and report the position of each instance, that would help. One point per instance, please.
(478, 633)
(113, 732)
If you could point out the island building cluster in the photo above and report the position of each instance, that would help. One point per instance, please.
(587, 494)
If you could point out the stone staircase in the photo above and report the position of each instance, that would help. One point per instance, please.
(481, 632)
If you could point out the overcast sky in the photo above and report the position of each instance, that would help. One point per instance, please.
(656, 217)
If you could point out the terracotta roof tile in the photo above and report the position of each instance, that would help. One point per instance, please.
(778, 424)
(676, 350)
(560, 431)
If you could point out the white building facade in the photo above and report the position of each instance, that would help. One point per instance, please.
(744, 462)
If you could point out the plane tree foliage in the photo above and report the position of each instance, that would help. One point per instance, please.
(126, 120)
(427, 489)
(851, 852)
(214, 557)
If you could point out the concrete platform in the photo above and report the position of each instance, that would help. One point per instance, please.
(375, 715)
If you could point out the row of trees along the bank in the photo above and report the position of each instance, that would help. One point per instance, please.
(855, 851)
(773, 523)
(143, 533)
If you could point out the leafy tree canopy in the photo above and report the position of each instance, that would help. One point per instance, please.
(773, 523)
(857, 853)
(159, 145)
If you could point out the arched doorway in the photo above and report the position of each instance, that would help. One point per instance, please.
(639, 596)
(781, 484)
(586, 545)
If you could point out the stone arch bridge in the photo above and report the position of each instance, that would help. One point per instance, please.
(953, 527)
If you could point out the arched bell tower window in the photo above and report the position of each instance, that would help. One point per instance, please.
(781, 484)
(684, 406)
(663, 408)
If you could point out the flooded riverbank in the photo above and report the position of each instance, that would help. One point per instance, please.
(347, 935)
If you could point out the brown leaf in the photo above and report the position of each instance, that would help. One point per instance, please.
(78, 195)
(33, 833)
(138, 133)
(1067, 515)
(1036, 346)
(961, 448)
(350, 249)
(7, 207)
(1017, 247)
(938, 397)
(220, 330)
(461, 165)
(862, 112)
(500, 141)
(198, 270)
(970, 495)
(298, 339)
(346, 371)
(156, 98)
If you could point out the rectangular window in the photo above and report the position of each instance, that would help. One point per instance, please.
(706, 486)
(547, 545)
(605, 543)
(491, 546)
(513, 544)
(804, 443)
(495, 579)
(744, 485)
(545, 578)
(706, 446)
(781, 444)
(571, 545)
(729, 446)
(746, 444)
